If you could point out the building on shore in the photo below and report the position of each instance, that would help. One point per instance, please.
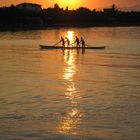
(29, 7)
(110, 10)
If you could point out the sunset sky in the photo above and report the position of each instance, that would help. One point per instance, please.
(92, 4)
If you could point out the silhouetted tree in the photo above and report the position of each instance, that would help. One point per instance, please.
(12, 17)
(56, 6)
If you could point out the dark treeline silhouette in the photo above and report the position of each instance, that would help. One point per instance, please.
(29, 16)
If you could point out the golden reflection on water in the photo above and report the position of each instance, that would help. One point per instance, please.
(70, 36)
(70, 68)
(70, 121)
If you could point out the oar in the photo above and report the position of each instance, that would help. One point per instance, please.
(72, 43)
(56, 43)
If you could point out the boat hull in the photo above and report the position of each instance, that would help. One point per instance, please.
(69, 48)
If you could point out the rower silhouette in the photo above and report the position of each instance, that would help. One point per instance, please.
(68, 42)
(62, 41)
(77, 41)
(82, 41)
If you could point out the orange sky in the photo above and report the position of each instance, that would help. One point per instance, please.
(76, 3)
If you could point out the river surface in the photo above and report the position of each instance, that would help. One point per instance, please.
(70, 95)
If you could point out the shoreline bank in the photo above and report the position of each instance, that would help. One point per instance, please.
(28, 28)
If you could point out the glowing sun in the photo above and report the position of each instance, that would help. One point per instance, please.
(69, 3)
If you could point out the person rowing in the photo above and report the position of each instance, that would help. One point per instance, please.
(77, 42)
(68, 42)
(62, 41)
(82, 41)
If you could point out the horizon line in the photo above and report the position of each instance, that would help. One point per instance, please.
(117, 7)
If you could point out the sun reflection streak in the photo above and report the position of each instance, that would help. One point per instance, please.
(71, 94)
(70, 35)
(71, 120)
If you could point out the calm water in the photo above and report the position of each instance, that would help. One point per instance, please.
(91, 95)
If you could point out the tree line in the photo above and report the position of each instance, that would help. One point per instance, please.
(14, 18)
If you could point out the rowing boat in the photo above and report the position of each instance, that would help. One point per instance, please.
(69, 48)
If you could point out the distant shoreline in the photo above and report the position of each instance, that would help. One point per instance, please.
(28, 28)
(28, 16)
